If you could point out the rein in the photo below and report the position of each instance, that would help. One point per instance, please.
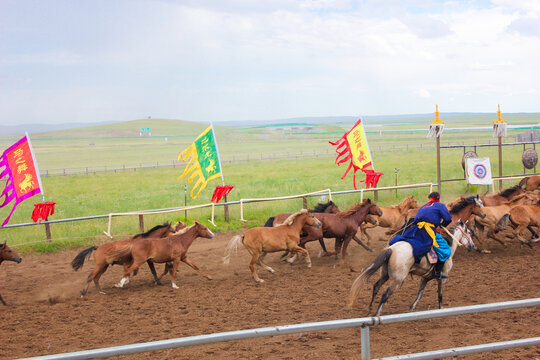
(452, 236)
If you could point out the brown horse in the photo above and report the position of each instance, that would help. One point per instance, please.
(328, 208)
(393, 217)
(118, 252)
(7, 253)
(502, 197)
(531, 182)
(273, 239)
(485, 228)
(163, 250)
(519, 218)
(342, 226)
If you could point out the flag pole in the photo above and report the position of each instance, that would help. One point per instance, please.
(36, 166)
(225, 206)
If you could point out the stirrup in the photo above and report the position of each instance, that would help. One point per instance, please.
(439, 276)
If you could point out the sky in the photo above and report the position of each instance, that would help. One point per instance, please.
(64, 61)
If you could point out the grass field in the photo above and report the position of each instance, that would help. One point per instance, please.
(117, 144)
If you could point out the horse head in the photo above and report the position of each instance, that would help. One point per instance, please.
(203, 231)
(374, 210)
(7, 253)
(312, 220)
(478, 207)
(463, 235)
(332, 208)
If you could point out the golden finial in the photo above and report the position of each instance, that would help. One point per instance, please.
(499, 119)
(437, 121)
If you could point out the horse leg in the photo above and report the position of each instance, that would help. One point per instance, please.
(153, 270)
(517, 233)
(166, 269)
(396, 283)
(264, 265)
(298, 249)
(196, 268)
(440, 292)
(134, 266)
(420, 293)
(176, 261)
(491, 234)
(254, 260)
(345, 245)
(99, 268)
(2, 300)
(96, 280)
(377, 286)
(337, 247)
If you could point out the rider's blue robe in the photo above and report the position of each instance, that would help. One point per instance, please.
(419, 238)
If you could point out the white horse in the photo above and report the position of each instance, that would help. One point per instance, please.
(397, 262)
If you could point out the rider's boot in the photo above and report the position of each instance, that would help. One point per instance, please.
(437, 271)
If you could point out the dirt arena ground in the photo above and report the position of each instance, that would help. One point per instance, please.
(45, 314)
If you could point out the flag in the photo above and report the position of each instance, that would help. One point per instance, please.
(18, 166)
(203, 162)
(353, 146)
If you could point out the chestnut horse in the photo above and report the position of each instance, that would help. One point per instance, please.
(531, 182)
(503, 196)
(163, 250)
(7, 253)
(397, 261)
(273, 239)
(118, 252)
(342, 226)
(393, 217)
(519, 218)
(329, 208)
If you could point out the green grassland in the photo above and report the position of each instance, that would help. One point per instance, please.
(157, 188)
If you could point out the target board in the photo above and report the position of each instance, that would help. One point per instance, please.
(479, 171)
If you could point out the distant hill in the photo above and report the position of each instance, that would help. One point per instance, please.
(39, 128)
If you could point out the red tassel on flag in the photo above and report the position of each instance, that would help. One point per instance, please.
(220, 192)
(43, 210)
(372, 178)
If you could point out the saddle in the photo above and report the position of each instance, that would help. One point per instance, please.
(431, 256)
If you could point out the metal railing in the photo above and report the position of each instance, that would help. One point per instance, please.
(364, 323)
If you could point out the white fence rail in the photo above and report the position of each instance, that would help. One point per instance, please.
(364, 323)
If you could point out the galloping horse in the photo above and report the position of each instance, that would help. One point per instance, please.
(118, 252)
(397, 261)
(393, 217)
(7, 253)
(328, 208)
(521, 217)
(163, 250)
(273, 239)
(503, 196)
(531, 182)
(342, 226)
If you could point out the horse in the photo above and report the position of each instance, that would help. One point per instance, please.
(7, 253)
(503, 196)
(519, 218)
(329, 208)
(393, 217)
(118, 252)
(531, 182)
(273, 239)
(486, 227)
(397, 261)
(342, 226)
(163, 250)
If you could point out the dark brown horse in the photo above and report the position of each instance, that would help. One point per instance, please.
(7, 253)
(172, 248)
(502, 197)
(342, 226)
(118, 253)
(273, 239)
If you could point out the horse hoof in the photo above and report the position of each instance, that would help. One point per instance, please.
(103, 293)
(210, 278)
(174, 286)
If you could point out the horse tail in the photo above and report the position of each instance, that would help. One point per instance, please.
(523, 181)
(379, 261)
(270, 222)
(78, 261)
(232, 245)
(503, 223)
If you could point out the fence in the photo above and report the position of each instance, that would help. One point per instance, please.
(241, 202)
(364, 324)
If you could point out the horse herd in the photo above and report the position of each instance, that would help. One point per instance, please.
(481, 217)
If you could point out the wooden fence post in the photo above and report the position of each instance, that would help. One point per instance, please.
(304, 203)
(48, 231)
(141, 223)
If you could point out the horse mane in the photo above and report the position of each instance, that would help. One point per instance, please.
(292, 217)
(508, 192)
(146, 234)
(354, 209)
(320, 208)
(462, 204)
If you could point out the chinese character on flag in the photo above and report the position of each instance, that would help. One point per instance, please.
(18, 166)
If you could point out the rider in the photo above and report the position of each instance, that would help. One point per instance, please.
(422, 235)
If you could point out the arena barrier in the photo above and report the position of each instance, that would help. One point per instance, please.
(364, 324)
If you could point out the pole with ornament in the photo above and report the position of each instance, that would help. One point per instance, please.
(499, 129)
(436, 128)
